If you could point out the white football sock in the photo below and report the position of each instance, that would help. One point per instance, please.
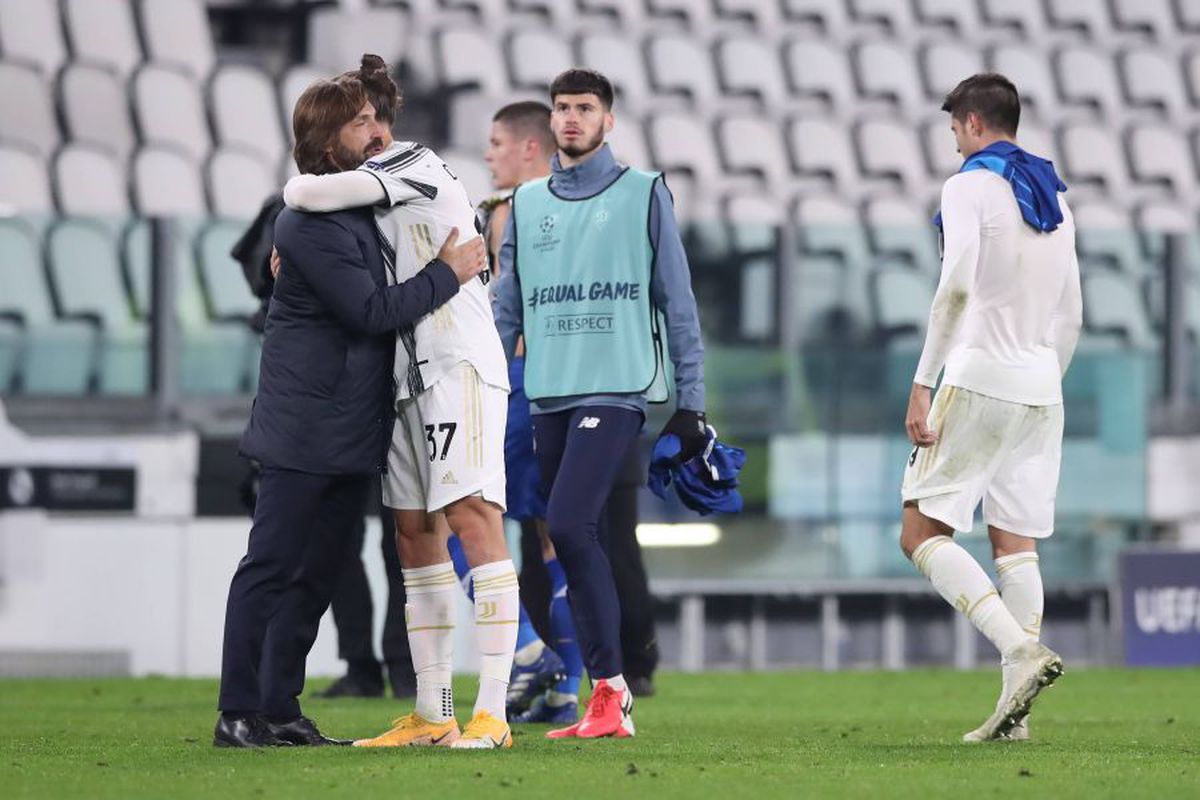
(497, 613)
(431, 593)
(530, 653)
(1020, 581)
(963, 584)
(617, 682)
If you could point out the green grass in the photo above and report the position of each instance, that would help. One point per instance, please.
(1099, 733)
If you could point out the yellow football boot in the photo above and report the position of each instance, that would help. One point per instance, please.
(413, 730)
(484, 732)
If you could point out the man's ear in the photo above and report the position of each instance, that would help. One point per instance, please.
(609, 121)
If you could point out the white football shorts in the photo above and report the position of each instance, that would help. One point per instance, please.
(448, 443)
(1005, 454)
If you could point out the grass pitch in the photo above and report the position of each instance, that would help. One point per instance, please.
(1098, 733)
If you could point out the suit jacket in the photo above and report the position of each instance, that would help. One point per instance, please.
(325, 393)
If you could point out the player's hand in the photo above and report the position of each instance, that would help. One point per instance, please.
(916, 420)
(276, 264)
(467, 259)
(691, 428)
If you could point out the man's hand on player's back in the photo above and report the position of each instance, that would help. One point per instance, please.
(467, 259)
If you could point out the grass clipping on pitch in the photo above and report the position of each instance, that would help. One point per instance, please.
(1099, 733)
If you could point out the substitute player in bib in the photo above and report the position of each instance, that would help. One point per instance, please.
(447, 453)
(1004, 324)
(593, 274)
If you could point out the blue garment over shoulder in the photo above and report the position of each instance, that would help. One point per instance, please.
(1034, 182)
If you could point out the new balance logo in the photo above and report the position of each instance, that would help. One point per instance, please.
(449, 480)
(589, 422)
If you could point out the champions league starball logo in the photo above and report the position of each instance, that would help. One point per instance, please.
(547, 226)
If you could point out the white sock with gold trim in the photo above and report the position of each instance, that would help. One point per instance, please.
(497, 613)
(431, 593)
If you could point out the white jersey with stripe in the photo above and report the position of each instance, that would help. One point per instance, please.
(425, 200)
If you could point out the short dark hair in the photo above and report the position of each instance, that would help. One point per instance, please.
(528, 118)
(990, 95)
(382, 91)
(319, 115)
(583, 81)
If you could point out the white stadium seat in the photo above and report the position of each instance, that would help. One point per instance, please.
(95, 109)
(754, 146)
(471, 58)
(627, 140)
(822, 154)
(338, 37)
(1092, 158)
(28, 117)
(103, 32)
(90, 181)
(619, 58)
(888, 149)
(944, 64)
(1159, 157)
(238, 182)
(1089, 81)
(819, 69)
(681, 65)
(955, 17)
(167, 183)
(751, 67)
(26, 187)
(169, 110)
(535, 57)
(244, 113)
(1022, 19)
(293, 83)
(1153, 80)
(177, 32)
(1028, 68)
(32, 31)
(888, 71)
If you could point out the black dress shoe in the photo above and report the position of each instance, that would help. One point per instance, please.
(302, 732)
(244, 730)
(640, 685)
(351, 686)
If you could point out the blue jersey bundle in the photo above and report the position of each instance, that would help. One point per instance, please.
(705, 483)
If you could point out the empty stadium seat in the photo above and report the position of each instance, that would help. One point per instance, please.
(167, 183)
(627, 15)
(824, 302)
(535, 58)
(819, 69)
(1093, 159)
(900, 302)
(888, 150)
(56, 354)
(25, 187)
(822, 155)
(1023, 19)
(1113, 307)
(754, 221)
(177, 32)
(103, 32)
(1088, 81)
(1188, 15)
(754, 146)
(1152, 80)
(238, 183)
(620, 59)
(337, 37)
(750, 67)
(226, 293)
(95, 109)
(1028, 67)
(945, 64)
(898, 227)
(470, 59)
(1158, 156)
(762, 17)
(293, 83)
(89, 181)
(1104, 235)
(1156, 221)
(691, 15)
(950, 16)
(1151, 19)
(85, 270)
(32, 32)
(941, 151)
(681, 65)
(170, 111)
(887, 71)
(628, 142)
(1038, 139)
(28, 117)
(1086, 19)
(243, 108)
(829, 226)
(893, 19)
(682, 142)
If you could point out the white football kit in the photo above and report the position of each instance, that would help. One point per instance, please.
(1004, 323)
(450, 371)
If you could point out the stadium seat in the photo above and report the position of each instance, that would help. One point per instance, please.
(103, 32)
(1089, 82)
(1159, 157)
(753, 146)
(691, 15)
(226, 293)
(242, 105)
(56, 353)
(535, 57)
(628, 142)
(1152, 81)
(1151, 19)
(1113, 307)
(1093, 160)
(90, 182)
(822, 156)
(1157, 220)
(888, 150)
(898, 227)
(293, 83)
(894, 20)
(238, 182)
(625, 15)
(170, 111)
(25, 187)
(944, 64)
(962, 20)
(750, 67)
(620, 59)
(28, 117)
(900, 302)
(1023, 19)
(827, 18)
(95, 109)
(819, 69)
(337, 37)
(762, 17)
(1028, 68)
(941, 152)
(1037, 139)
(32, 32)
(470, 59)
(887, 71)
(681, 65)
(1086, 19)
(1104, 235)
(85, 270)
(754, 221)
(167, 183)
(177, 32)
(683, 143)
(1188, 16)
(829, 226)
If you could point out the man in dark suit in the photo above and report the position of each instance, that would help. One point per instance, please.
(321, 422)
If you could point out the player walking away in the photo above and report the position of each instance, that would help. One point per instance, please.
(447, 448)
(1004, 324)
(591, 262)
(544, 686)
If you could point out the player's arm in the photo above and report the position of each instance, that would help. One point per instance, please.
(333, 192)
(509, 317)
(671, 292)
(326, 255)
(1068, 316)
(497, 224)
(962, 228)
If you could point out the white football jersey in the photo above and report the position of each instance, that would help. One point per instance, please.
(426, 200)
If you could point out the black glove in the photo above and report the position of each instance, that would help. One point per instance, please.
(691, 428)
